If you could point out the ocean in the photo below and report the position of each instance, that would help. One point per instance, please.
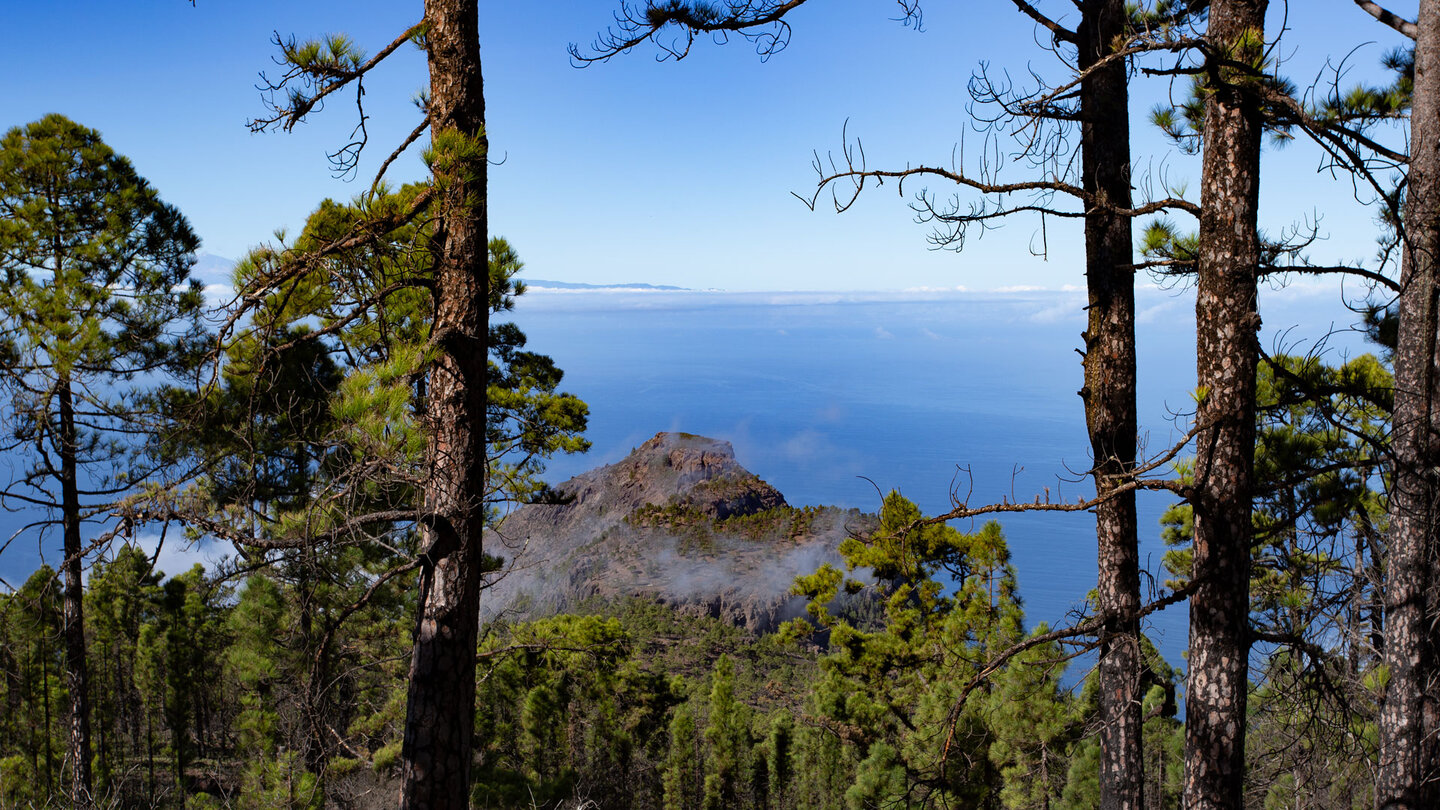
(837, 398)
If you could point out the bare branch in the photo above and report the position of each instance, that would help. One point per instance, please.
(1391, 19)
(1057, 30)
(399, 150)
(961, 512)
(1085, 628)
(1135, 482)
(1312, 270)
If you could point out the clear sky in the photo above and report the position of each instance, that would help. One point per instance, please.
(633, 170)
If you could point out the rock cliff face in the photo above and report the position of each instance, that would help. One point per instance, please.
(678, 521)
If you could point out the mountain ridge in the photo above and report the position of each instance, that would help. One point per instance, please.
(678, 521)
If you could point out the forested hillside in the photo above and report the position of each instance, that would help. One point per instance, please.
(255, 695)
(410, 612)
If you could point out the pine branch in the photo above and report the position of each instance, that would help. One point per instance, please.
(636, 25)
(326, 77)
(1085, 628)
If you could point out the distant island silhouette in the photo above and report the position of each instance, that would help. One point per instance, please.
(538, 283)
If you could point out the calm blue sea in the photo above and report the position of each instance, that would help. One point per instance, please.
(835, 398)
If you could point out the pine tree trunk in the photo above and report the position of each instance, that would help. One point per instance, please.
(1109, 395)
(1227, 343)
(1405, 754)
(76, 673)
(45, 699)
(314, 745)
(441, 702)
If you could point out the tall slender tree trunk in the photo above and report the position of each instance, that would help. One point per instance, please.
(441, 702)
(77, 676)
(1109, 394)
(1406, 756)
(314, 745)
(150, 756)
(45, 699)
(1227, 343)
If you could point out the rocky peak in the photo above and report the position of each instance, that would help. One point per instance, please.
(670, 468)
(680, 521)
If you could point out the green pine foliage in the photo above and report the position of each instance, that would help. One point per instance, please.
(1316, 609)
(683, 779)
(918, 722)
(100, 321)
(1317, 506)
(121, 602)
(314, 447)
(568, 710)
(212, 697)
(33, 724)
(727, 741)
(96, 306)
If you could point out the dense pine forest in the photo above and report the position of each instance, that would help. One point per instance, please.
(363, 425)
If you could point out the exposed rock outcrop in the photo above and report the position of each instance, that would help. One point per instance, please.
(678, 521)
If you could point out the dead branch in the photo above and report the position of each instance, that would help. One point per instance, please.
(1057, 30)
(1391, 19)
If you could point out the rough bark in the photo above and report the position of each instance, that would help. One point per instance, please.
(1227, 348)
(1109, 396)
(439, 719)
(77, 676)
(1406, 755)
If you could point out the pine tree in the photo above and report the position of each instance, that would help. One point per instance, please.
(779, 751)
(316, 446)
(439, 724)
(273, 776)
(1227, 327)
(97, 304)
(680, 776)
(1408, 776)
(727, 738)
(121, 599)
(33, 643)
(910, 700)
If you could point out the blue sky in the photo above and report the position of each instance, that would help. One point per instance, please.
(633, 170)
